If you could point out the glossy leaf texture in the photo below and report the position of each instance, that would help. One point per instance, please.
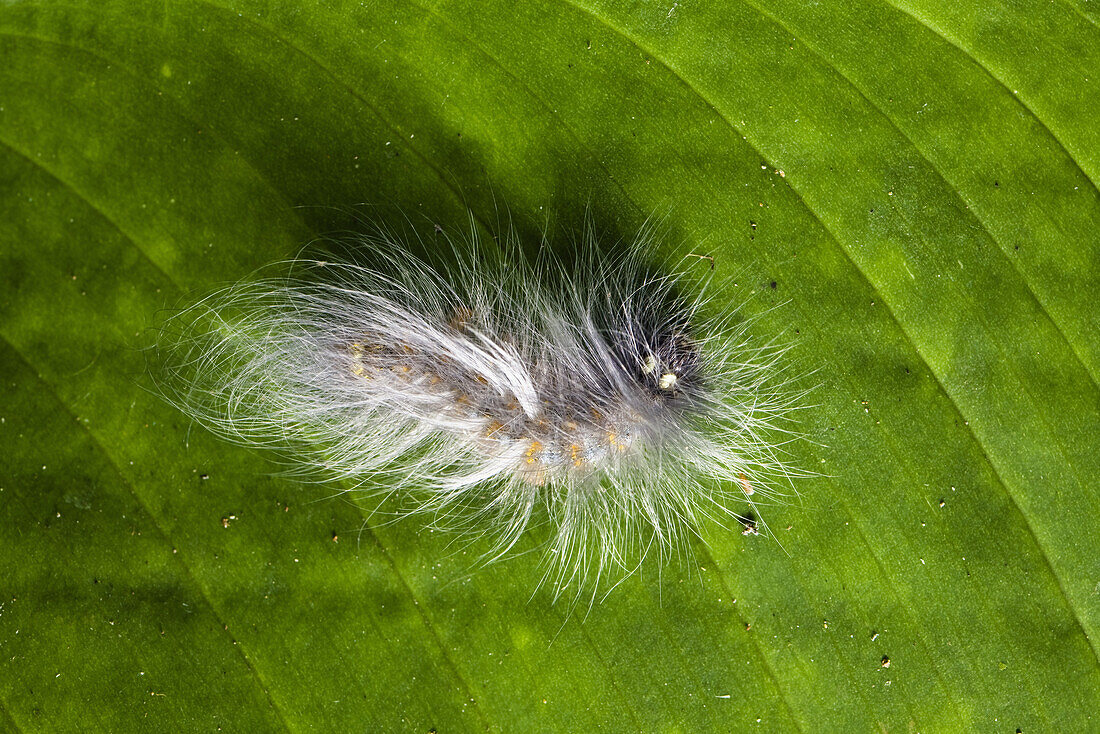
(903, 191)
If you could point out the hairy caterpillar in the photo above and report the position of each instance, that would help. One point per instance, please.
(495, 390)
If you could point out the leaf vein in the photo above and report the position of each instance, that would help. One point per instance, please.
(1042, 123)
(956, 192)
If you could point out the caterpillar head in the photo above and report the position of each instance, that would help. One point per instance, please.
(669, 365)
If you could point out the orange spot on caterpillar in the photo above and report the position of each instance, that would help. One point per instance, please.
(534, 472)
(357, 367)
(575, 451)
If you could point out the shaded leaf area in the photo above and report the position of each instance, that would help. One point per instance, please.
(916, 180)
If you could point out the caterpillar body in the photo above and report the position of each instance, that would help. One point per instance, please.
(494, 391)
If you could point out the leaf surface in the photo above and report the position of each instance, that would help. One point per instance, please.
(904, 191)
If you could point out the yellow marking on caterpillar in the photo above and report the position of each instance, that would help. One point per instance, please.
(494, 426)
(357, 367)
(533, 452)
(575, 451)
(613, 441)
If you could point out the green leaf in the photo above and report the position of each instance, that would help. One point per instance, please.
(905, 191)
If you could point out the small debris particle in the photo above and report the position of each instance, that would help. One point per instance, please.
(746, 486)
(885, 661)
